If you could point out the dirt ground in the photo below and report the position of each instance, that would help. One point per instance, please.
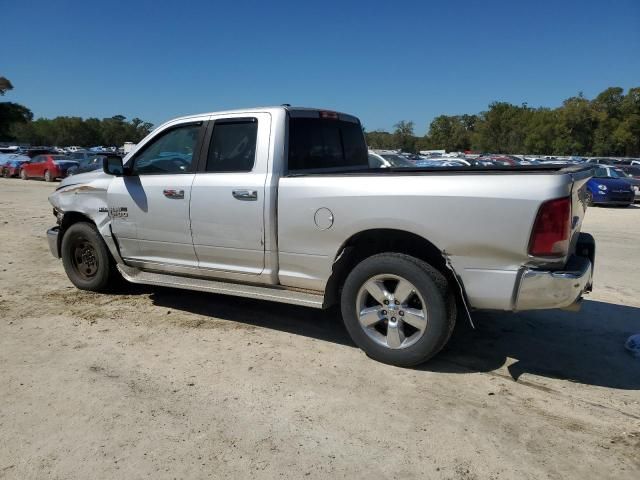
(160, 383)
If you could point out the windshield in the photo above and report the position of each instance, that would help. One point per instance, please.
(608, 173)
(621, 173)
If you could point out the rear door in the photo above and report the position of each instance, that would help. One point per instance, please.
(227, 199)
(149, 207)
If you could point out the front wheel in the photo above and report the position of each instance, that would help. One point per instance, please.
(397, 309)
(85, 258)
(47, 176)
(23, 175)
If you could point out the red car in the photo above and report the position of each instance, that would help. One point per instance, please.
(46, 166)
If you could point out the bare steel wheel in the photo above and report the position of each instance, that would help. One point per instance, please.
(398, 308)
(391, 311)
(84, 259)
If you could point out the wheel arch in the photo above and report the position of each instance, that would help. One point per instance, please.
(104, 230)
(378, 240)
(69, 219)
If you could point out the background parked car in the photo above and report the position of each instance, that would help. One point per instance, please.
(632, 171)
(10, 167)
(635, 182)
(80, 155)
(94, 162)
(46, 166)
(608, 187)
(388, 160)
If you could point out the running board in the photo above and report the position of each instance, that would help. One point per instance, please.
(293, 297)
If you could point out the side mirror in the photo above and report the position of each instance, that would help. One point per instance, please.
(113, 166)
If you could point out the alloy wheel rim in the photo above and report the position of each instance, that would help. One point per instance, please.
(391, 311)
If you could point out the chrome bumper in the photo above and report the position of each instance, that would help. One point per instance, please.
(544, 289)
(52, 237)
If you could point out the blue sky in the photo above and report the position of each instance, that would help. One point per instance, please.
(382, 61)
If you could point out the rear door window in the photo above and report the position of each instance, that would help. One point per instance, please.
(326, 144)
(233, 145)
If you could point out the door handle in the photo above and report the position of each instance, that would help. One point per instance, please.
(175, 194)
(247, 195)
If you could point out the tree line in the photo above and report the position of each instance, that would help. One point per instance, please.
(608, 125)
(18, 126)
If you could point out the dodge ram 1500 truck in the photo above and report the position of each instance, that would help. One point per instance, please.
(281, 204)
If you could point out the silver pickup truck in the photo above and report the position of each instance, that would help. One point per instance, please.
(281, 204)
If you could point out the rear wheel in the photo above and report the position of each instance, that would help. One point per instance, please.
(86, 258)
(47, 176)
(398, 309)
(5, 172)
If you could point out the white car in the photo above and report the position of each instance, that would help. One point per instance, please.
(388, 160)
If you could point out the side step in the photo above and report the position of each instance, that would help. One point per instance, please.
(293, 297)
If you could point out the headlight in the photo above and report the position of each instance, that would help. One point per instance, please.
(602, 187)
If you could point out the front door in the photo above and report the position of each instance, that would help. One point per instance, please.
(227, 198)
(149, 206)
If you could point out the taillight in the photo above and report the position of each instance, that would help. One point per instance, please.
(550, 236)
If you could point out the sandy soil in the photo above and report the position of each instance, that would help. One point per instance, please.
(160, 383)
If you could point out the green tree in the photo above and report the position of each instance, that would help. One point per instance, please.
(404, 136)
(5, 85)
(11, 114)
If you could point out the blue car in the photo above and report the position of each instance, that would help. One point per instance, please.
(608, 187)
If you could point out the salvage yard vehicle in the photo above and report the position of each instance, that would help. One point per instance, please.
(10, 167)
(93, 162)
(48, 167)
(386, 160)
(281, 204)
(610, 186)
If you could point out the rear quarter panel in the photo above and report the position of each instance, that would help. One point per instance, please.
(483, 222)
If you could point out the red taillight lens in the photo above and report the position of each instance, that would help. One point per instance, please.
(550, 236)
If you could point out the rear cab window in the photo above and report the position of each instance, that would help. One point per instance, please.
(325, 142)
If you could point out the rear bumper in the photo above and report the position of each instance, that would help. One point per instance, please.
(52, 238)
(539, 289)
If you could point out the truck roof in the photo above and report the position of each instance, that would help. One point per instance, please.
(300, 111)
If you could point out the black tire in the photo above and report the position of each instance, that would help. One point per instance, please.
(23, 174)
(5, 172)
(589, 199)
(48, 177)
(431, 286)
(86, 259)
